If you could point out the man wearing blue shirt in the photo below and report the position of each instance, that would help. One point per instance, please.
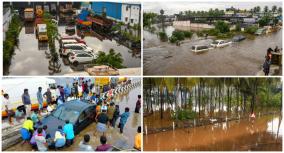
(69, 131)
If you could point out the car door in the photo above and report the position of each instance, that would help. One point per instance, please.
(85, 118)
(86, 57)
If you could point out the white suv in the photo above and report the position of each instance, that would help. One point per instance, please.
(67, 48)
(77, 57)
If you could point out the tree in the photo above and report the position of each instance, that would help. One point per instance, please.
(274, 8)
(279, 10)
(113, 59)
(222, 27)
(266, 9)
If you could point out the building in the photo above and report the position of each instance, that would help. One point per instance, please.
(7, 17)
(131, 13)
(128, 13)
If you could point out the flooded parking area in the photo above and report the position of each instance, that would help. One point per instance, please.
(30, 56)
(123, 141)
(262, 134)
(241, 58)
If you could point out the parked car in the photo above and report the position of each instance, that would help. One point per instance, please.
(68, 41)
(220, 43)
(81, 57)
(260, 31)
(67, 48)
(70, 29)
(200, 48)
(238, 38)
(80, 113)
(66, 37)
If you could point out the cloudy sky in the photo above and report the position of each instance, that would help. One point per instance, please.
(176, 7)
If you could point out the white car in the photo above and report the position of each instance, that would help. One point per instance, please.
(67, 48)
(81, 57)
(199, 48)
(220, 43)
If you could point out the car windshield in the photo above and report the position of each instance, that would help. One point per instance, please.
(215, 42)
(64, 114)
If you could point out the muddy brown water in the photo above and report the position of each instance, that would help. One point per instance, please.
(123, 141)
(30, 59)
(242, 58)
(262, 134)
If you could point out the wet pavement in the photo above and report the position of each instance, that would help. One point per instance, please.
(123, 141)
(263, 134)
(243, 58)
(30, 57)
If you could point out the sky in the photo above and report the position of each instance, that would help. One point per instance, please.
(176, 7)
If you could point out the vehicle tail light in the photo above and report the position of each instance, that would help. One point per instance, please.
(64, 50)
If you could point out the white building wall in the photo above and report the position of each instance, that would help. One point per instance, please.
(7, 17)
(130, 15)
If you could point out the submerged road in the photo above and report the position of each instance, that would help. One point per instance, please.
(243, 58)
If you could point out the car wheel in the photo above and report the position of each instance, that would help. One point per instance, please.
(75, 63)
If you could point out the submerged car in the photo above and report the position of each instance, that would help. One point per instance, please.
(260, 31)
(220, 43)
(80, 113)
(238, 38)
(200, 48)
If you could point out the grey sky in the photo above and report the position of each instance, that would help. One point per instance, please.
(176, 7)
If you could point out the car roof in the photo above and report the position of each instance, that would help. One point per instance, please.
(76, 44)
(68, 40)
(78, 105)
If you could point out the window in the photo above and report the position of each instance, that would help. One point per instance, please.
(82, 117)
(104, 10)
(131, 20)
(126, 19)
(127, 8)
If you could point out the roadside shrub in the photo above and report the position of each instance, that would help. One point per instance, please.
(251, 29)
(187, 34)
(163, 36)
(184, 115)
(222, 26)
(212, 32)
(173, 39)
(199, 33)
(179, 35)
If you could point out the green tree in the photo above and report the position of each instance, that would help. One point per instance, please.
(112, 58)
(222, 27)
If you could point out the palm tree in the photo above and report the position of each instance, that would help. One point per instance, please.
(274, 8)
(266, 9)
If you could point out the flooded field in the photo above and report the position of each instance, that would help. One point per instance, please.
(263, 134)
(243, 58)
(30, 57)
(123, 141)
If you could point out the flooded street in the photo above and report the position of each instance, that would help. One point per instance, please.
(30, 57)
(262, 134)
(123, 141)
(243, 58)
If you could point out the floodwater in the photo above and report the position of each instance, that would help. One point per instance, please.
(242, 58)
(123, 141)
(30, 57)
(263, 134)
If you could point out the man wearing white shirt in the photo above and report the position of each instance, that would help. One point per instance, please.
(8, 108)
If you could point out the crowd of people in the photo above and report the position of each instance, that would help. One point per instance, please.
(268, 59)
(107, 114)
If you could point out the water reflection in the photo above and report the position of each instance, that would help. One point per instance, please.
(233, 135)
